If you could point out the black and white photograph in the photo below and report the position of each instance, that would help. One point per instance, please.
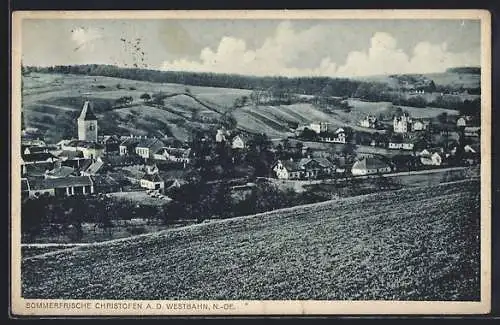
(248, 162)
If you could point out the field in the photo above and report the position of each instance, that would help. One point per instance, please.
(410, 244)
(56, 99)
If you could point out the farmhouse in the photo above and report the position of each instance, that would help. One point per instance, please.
(66, 186)
(305, 168)
(368, 166)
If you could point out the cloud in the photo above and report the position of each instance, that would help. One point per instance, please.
(84, 37)
(283, 53)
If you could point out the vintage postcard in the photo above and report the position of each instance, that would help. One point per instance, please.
(250, 162)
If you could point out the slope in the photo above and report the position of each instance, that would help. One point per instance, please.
(411, 244)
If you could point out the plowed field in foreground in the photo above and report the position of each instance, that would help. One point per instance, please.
(411, 244)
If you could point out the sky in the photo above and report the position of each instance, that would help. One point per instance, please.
(333, 48)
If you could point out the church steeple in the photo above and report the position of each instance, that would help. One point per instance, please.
(87, 123)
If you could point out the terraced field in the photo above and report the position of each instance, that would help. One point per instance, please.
(411, 244)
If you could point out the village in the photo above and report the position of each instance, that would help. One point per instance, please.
(153, 171)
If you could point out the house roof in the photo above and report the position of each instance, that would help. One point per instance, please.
(104, 180)
(172, 183)
(87, 113)
(38, 169)
(84, 144)
(369, 163)
(94, 167)
(176, 152)
(149, 143)
(152, 178)
(50, 183)
(71, 154)
(129, 142)
(37, 149)
(301, 164)
(38, 156)
(63, 171)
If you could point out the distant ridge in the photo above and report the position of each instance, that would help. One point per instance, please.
(471, 70)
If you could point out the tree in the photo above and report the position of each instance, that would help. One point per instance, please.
(145, 97)
(228, 121)
(443, 118)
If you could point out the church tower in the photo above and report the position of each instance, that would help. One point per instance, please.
(87, 124)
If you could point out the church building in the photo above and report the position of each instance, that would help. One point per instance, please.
(87, 124)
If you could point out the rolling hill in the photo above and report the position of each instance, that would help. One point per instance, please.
(410, 244)
(51, 99)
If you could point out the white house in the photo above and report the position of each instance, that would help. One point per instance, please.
(368, 166)
(401, 145)
(402, 123)
(418, 126)
(369, 121)
(153, 182)
(221, 135)
(146, 148)
(431, 159)
(337, 137)
(64, 186)
(461, 122)
(319, 127)
(305, 168)
(238, 142)
(173, 154)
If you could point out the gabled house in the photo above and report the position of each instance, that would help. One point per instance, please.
(93, 168)
(153, 182)
(111, 143)
(146, 148)
(418, 125)
(429, 157)
(369, 121)
(369, 166)
(64, 186)
(59, 172)
(128, 145)
(173, 154)
(305, 168)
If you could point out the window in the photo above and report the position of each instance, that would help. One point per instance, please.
(91, 127)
